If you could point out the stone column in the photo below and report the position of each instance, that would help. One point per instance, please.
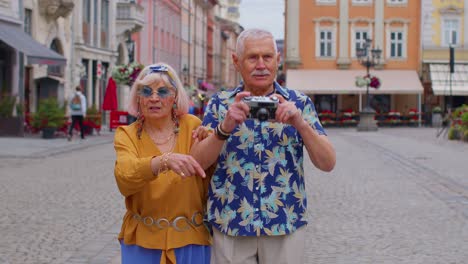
(343, 57)
(292, 37)
(379, 24)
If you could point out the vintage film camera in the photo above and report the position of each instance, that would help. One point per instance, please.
(261, 107)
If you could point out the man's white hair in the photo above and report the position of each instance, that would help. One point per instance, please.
(253, 33)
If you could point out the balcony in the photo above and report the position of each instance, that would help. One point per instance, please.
(206, 4)
(130, 16)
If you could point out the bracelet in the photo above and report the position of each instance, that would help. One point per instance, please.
(163, 163)
(224, 133)
(220, 134)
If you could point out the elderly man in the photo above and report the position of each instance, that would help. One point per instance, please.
(257, 198)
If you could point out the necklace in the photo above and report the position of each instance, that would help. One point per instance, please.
(159, 141)
(163, 141)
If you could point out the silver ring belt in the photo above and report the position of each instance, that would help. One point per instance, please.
(180, 223)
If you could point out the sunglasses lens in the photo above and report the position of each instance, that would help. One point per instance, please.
(163, 92)
(146, 91)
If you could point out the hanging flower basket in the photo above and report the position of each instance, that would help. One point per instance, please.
(372, 81)
(126, 73)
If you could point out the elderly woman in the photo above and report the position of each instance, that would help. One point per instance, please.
(165, 206)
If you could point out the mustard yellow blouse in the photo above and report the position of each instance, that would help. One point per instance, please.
(164, 196)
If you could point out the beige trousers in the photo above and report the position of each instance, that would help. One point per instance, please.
(287, 249)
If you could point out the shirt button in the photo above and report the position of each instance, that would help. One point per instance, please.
(257, 188)
(256, 209)
(257, 166)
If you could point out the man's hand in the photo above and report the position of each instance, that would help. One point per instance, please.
(287, 112)
(236, 114)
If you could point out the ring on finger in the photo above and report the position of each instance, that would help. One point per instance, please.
(182, 174)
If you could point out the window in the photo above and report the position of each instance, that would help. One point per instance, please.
(359, 39)
(397, 2)
(55, 70)
(86, 21)
(326, 43)
(319, 2)
(362, 2)
(396, 44)
(104, 23)
(28, 21)
(451, 32)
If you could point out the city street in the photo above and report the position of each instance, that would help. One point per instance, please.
(399, 195)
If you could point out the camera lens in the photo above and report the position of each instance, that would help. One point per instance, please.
(262, 114)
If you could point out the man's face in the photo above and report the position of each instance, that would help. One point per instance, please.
(258, 64)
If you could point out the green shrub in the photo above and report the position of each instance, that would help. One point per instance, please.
(453, 133)
(49, 114)
(7, 104)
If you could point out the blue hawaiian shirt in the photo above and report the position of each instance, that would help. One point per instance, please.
(258, 185)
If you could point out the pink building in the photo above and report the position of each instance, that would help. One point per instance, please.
(160, 39)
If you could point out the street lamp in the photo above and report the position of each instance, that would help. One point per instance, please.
(185, 74)
(130, 47)
(368, 60)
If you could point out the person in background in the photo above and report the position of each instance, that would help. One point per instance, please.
(165, 189)
(77, 112)
(257, 199)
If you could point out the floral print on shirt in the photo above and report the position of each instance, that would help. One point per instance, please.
(258, 185)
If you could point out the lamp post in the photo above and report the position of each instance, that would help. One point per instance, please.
(130, 47)
(185, 74)
(368, 60)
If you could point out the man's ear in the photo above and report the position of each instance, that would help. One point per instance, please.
(235, 61)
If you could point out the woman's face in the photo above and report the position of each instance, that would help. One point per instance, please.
(156, 100)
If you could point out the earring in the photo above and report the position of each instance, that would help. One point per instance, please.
(175, 119)
(140, 121)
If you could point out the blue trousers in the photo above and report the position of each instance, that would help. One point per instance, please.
(190, 254)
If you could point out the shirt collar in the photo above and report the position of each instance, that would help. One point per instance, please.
(279, 89)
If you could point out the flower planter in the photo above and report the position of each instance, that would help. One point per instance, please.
(48, 132)
(436, 119)
(12, 126)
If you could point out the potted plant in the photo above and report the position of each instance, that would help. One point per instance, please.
(48, 117)
(10, 124)
(93, 120)
(436, 116)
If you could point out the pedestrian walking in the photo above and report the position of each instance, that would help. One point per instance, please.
(257, 201)
(165, 205)
(77, 112)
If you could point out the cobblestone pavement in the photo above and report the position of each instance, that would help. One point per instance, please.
(395, 196)
(399, 195)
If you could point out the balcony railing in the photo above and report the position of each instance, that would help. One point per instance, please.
(130, 16)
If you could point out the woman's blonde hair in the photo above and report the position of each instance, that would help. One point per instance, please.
(164, 73)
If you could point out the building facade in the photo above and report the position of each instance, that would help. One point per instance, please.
(444, 25)
(321, 39)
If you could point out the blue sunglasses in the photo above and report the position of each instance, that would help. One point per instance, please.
(162, 92)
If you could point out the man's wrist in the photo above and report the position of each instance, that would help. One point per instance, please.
(220, 133)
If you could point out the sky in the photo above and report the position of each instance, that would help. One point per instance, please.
(265, 14)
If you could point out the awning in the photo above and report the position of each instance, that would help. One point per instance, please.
(343, 81)
(35, 51)
(440, 78)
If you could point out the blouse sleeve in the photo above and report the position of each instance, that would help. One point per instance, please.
(131, 172)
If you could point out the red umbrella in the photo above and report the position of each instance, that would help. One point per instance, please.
(110, 98)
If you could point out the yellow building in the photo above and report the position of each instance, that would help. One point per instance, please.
(321, 39)
(444, 25)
